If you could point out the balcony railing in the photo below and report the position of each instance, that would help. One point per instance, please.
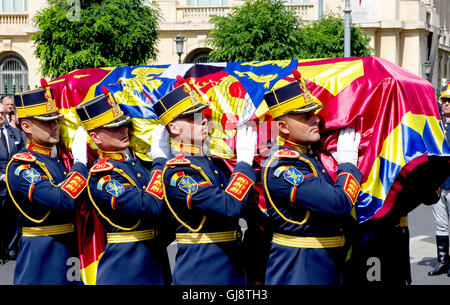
(200, 13)
(14, 18)
(203, 13)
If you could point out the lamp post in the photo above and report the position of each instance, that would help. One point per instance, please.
(179, 41)
(347, 30)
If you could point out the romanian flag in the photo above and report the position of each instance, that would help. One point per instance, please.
(395, 111)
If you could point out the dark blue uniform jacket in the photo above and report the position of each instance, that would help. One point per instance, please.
(203, 200)
(46, 195)
(305, 202)
(127, 198)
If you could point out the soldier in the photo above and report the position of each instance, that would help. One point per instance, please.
(126, 196)
(441, 210)
(205, 204)
(305, 206)
(45, 192)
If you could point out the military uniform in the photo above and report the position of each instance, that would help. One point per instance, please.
(45, 193)
(128, 199)
(205, 204)
(305, 206)
(207, 207)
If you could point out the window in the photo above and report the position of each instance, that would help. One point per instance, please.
(207, 2)
(14, 5)
(13, 74)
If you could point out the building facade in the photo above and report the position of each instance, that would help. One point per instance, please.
(414, 34)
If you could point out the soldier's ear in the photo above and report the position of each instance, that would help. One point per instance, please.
(173, 129)
(282, 127)
(94, 136)
(26, 126)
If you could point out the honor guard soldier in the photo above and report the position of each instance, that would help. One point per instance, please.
(305, 206)
(44, 192)
(205, 204)
(127, 197)
(441, 210)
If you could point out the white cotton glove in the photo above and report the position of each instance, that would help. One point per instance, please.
(347, 146)
(246, 140)
(160, 147)
(79, 149)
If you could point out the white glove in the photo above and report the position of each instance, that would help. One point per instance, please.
(79, 149)
(246, 140)
(347, 146)
(160, 147)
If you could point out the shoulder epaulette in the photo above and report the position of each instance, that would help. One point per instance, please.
(26, 156)
(178, 160)
(101, 166)
(286, 153)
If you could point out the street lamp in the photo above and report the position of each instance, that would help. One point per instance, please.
(427, 69)
(179, 41)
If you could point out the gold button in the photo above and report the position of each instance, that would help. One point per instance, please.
(324, 171)
(221, 185)
(65, 173)
(143, 187)
(132, 163)
(216, 172)
(139, 175)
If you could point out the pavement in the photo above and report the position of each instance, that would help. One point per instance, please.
(422, 251)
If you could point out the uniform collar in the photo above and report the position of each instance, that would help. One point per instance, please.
(43, 150)
(186, 149)
(122, 155)
(301, 148)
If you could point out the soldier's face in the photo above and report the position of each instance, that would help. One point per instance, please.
(302, 128)
(446, 107)
(192, 129)
(111, 139)
(45, 133)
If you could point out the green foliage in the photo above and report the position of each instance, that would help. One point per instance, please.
(257, 30)
(325, 39)
(267, 30)
(98, 33)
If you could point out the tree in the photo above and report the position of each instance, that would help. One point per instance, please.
(325, 39)
(267, 30)
(75, 34)
(257, 30)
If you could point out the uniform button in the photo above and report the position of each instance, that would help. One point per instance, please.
(221, 185)
(139, 175)
(65, 173)
(324, 171)
(59, 161)
(216, 172)
(132, 163)
(143, 187)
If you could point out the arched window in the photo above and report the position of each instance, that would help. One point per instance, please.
(13, 74)
(198, 56)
